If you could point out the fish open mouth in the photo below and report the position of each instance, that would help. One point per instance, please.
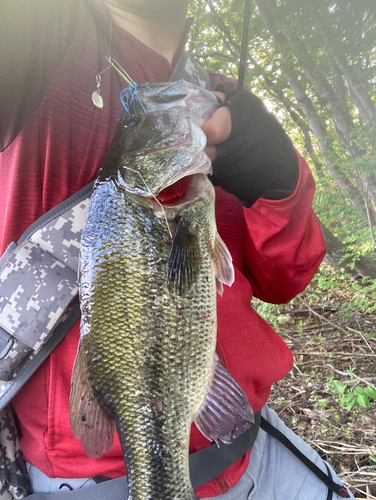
(183, 184)
(173, 193)
(183, 192)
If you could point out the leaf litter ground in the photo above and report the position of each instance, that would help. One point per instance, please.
(331, 330)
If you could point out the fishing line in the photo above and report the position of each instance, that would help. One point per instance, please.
(96, 95)
(113, 62)
(175, 303)
(127, 97)
(121, 71)
(155, 198)
(110, 44)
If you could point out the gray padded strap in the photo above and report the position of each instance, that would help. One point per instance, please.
(38, 288)
(8, 389)
(204, 465)
(189, 69)
(116, 489)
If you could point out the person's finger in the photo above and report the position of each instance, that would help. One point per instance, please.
(212, 152)
(218, 128)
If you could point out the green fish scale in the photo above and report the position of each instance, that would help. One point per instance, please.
(149, 355)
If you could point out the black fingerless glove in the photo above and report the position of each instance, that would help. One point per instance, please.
(258, 159)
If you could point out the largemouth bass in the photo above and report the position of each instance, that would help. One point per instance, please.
(150, 267)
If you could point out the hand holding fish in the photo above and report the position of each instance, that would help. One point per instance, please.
(236, 146)
(217, 128)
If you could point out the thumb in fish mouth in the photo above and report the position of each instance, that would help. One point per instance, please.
(217, 129)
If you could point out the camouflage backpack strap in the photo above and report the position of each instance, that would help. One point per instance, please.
(189, 69)
(39, 291)
(14, 481)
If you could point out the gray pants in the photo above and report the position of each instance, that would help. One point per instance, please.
(274, 473)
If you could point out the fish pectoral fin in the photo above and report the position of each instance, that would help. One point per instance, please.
(226, 412)
(183, 263)
(224, 269)
(88, 420)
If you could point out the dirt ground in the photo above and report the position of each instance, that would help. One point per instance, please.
(334, 345)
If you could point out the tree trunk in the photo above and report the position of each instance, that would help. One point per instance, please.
(233, 46)
(364, 103)
(296, 116)
(334, 256)
(338, 111)
(318, 128)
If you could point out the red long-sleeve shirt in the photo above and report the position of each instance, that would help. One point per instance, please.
(53, 145)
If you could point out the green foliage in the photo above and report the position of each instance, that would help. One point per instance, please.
(328, 286)
(349, 397)
(350, 146)
(270, 312)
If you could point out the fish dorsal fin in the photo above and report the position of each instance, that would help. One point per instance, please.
(226, 412)
(224, 269)
(183, 263)
(88, 420)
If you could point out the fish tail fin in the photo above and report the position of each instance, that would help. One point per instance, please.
(226, 412)
(88, 420)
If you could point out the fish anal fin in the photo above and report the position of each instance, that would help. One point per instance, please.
(219, 286)
(88, 420)
(224, 269)
(183, 263)
(226, 412)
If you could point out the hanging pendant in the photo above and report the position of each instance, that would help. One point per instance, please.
(96, 95)
(97, 99)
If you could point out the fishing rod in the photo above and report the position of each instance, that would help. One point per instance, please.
(244, 46)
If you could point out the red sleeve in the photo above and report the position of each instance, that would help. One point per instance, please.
(284, 245)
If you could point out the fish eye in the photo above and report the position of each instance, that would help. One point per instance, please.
(132, 122)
